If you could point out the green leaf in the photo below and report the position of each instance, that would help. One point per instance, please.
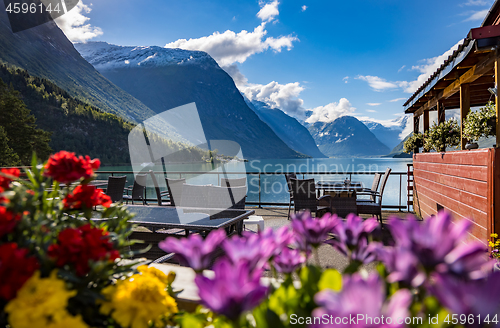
(331, 279)
(192, 321)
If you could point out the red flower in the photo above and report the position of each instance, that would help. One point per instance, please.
(15, 268)
(78, 246)
(86, 196)
(3, 199)
(7, 176)
(8, 221)
(65, 167)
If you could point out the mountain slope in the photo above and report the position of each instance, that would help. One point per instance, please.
(167, 78)
(77, 126)
(398, 151)
(294, 134)
(345, 137)
(44, 51)
(388, 134)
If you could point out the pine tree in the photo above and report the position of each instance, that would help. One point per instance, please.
(20, 127)
(7, 156)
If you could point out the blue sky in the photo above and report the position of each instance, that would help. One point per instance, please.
(329, 58)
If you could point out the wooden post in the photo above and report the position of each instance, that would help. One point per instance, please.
(497, 84)
(464, 110)
(440, 112)
(416, 121)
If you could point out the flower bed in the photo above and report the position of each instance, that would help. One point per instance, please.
(428, 273)
(58, 268)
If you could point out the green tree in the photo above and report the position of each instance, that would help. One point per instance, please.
(19, 124)
(7, 156)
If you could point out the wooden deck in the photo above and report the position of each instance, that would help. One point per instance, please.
(277, 216)
(329, 258)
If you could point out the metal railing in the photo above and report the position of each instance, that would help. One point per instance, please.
(179, 174)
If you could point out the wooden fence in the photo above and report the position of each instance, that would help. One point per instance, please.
(466, 183)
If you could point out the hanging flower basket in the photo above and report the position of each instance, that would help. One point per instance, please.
(442, 135)
(481, 123)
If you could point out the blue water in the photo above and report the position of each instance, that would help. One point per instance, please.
(273, 186)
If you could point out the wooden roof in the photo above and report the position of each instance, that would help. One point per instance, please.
(467, 64)
(472, 63)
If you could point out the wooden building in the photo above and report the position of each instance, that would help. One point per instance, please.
(464, 182)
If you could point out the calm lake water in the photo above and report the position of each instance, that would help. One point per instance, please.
(273, 186)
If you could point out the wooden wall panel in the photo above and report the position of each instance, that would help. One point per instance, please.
(463, 183)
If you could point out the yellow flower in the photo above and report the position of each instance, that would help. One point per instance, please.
(494, 235)
(139, 300)
(42, 302)
(145, 270)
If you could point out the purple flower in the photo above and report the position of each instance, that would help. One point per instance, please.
(402, 265)
(194, 251)
(278, 239)
(288, 260)
(362, 300)
(251, 248)
(311, 231)
(234, 289)
(477, 297)
(437, 243)
(351, 238)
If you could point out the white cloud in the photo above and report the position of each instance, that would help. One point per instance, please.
(268, 11)
(346, 79)
(230, 47)
(238, 77)
(427, 68)
(73, 24)
(371, 111)
(477, 15)
(379, 84)
(475, 3)
(331, 112)
(374, 104)
(282, 96)
(396, 100)
(402, 67)
(304, 7)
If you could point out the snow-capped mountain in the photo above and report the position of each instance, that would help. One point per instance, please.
(289, 129)
(104, 56)
(389, 132)
(346, 137)
(165, 78)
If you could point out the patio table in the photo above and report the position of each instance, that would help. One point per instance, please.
(201, 219)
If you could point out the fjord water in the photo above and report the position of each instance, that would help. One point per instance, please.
(273, 186)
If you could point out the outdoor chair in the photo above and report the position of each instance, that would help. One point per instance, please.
(289, 176)
(373, 189)
(116, 187)
(174, 193)
(194, 196)
(304, 197)
(138, 190)
(374, 208)
(159, 193)
(230, 198)
(229, 183)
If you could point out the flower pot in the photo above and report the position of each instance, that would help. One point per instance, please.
(473, 145)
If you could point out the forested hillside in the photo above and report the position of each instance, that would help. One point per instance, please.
(75, 125)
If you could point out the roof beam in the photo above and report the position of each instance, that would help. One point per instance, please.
(468, 77)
